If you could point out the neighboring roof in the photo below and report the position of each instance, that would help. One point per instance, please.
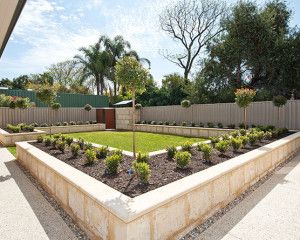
(123, 103)
(10, 11)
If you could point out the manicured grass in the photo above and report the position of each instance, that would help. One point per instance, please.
(146, 142)
(12, 150)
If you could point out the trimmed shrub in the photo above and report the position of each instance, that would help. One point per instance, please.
(69, 140)
(201, 124)
(260, 136)
(214, 140)
(187, 146)
(174, 123)
(61, 145)
(102, 152)
(222, 146)
(236, 143)
(117, 152)
(90, 155)
(81, 143)
(79, 123)
(44, 125)
(58, 124)
(65, 124)
(252, 138)
(142, 157)
(88, 145)
(183, 124)
(55, 106)
(142, 170)
(220, 125)
(225, 137)
(243, 132)
(153, 123)
(206, 149)
(268, 135)
(166, 123)
(48, 141)
(185, 103)
(210, 125)
(245, 140)
(192, 124)
(87, 107)
(160, 123)
(171, 151)
(40, 139)
(112, 163)
(75, 148)
(279, 101)
(231, 126)
(72, 123)
(28, 128)
(182, 159)
(235, 134)
(14, 129)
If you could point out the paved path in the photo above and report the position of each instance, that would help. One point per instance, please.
(24, 213)
(271, 212)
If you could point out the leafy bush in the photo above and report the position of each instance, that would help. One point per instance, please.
(75, 148)
(28, 128)
(220, 125)
(283, 131)
(69, 140)
(182, 159)
(185, 103)
(5, 100)
(55, 106)
(90, 155)
(112, 163)
(61, 145)
(72, 123)
(279, 101)
(12, 104)
(142, 157)
(206, 149)
(22, 103)
(187, 146)
(35, 124)
(231, 126)
(244, 140)
(236, 143)
(14, 129)
(160, 123)
(222, 146)
(58, 124)
(88, 145)
(138, 106)
(166, 123)
(242, 125)
(142, 170)
(79, 123)
(201, 124)
(102, 152)
(174, 123)
(87, 107)
(44, 125)
(210, 125)
(244, 96)
(40, 139)
(153, 122)
(235, 134)
(268, 135)
(243, 132)
(183, 124)
(48, 141)
(252, 138)
(57, 136)
(65, 124)
(81, 143)
(117, 152)
(171, 151)
(192, 124)
(260, 135)
(214, 140)
(225, 137)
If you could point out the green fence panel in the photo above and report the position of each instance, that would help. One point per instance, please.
(65, 99)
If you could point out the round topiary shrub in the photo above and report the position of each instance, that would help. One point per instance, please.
(279, 101)
(185, 103)
(182, 159)
(87, 107)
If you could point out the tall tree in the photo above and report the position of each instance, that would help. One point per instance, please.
(193, 24)
(96, 63)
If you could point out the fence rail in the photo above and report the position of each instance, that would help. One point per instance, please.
(259, 113)
(44, 115)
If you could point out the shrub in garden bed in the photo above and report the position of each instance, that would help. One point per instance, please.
(220, 125)
(142, 170)
(223, 146)
(187, 146)
(112, 163)
(182, 159)
(171, 150)
(75, 149)
(210, 125)
(90, 155)
(206, 149)
(102, 152)
(142, 157)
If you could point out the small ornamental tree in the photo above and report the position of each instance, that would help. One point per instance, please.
(87, 107)
(47, 95)
(185, 103)
(243, 98)
(132, 75)
(279, 101)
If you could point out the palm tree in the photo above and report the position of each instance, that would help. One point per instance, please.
(118, 48)
(96, 63)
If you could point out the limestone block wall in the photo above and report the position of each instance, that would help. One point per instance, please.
(164, 213)
(124, 118)
(73, 128)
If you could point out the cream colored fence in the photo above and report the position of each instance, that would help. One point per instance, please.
(259, 113)
(44, 115)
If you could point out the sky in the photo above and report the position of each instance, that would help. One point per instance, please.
(50, 31)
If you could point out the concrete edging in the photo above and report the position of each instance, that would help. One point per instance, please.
(163, 213)
(9, 139)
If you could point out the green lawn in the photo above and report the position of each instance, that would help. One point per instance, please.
(146, 142)
(12, 150)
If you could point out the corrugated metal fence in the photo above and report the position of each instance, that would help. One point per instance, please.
(44, 115)
(259, 113)
(65, 99)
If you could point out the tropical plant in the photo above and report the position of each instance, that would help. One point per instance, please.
(243, 98)
(102, 152)
(131, 74)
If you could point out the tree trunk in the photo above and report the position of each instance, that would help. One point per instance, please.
(98, 85)
(115, 88)
(245, 118)
(186, 75)
(278, 118)
(133, 124)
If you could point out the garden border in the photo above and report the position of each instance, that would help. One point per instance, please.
(163, 213)
(73, 128)
(9, 139)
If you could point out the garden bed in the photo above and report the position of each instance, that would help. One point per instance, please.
(8, 139)
(73, 128)
(163, 213)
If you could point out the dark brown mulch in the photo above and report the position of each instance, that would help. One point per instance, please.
(163, 169)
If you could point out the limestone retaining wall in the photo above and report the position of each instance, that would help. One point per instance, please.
(183, 131)
(9, 139)
(73, 128)
(124, 118)
(164, 213)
